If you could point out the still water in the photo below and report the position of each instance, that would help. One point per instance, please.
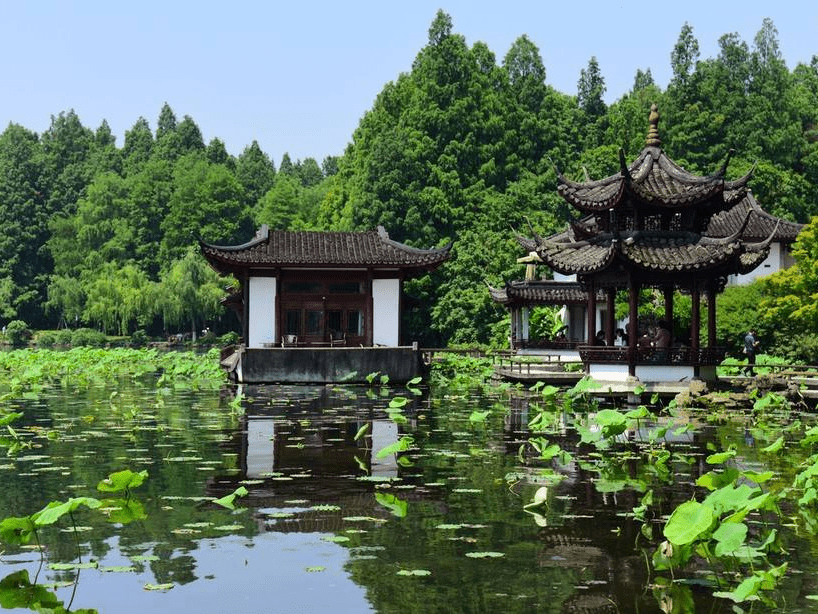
(357, 502)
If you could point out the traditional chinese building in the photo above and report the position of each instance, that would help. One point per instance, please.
(656, 225)
(318, 290)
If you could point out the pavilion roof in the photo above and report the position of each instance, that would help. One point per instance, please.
(279, 248)
(654, 251)
(654, 180)
(727, 231)
(540, 292)
(760, 225)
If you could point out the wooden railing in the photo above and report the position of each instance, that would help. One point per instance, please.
(706, 356)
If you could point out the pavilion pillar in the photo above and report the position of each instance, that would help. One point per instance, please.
(633, 324)
(591, 316)
(668, 292)
(610, 319)
(711, 316)
(245, 308)
(695, 323)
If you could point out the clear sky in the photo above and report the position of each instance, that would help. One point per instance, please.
(297, 76)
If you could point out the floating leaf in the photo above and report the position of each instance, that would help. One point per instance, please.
(227, 500)
(398, 507)
(398, 402)
(123, 511)
(401, 445)
(315, 568)
(337, 539)
(122, 480)
(55, 510)
(720, 457)
(17, 530)
(774, 446)
(159, 587)
(688, 522)
(484, 555)
(414, 572)
(69, 566)
(612, 422)
(730, 537)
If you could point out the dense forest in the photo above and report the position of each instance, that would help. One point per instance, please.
(461, 148)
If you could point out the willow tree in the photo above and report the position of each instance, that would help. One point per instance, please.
(189, 292)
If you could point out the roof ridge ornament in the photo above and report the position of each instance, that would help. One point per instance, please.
(653, 139)
(623, 165)
(723, 170)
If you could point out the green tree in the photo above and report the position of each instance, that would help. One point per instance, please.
(207, 201)
(256, 173)
(138, 146)
(23, 216)
(590, 90)
(189, 292)
(277, 208)
(683, 59)
(790, 304)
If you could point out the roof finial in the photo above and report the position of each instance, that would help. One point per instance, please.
(653, 139)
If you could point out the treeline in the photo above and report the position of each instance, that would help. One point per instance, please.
(462, 147)
(100, 235)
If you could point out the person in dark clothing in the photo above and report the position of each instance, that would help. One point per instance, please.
(751, 344)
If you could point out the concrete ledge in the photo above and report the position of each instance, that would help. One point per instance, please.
(348, 365)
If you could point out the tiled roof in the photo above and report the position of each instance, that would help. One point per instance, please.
(279, 248)
(759, 226)
(666, 251)
(540, 292)
(654, 179)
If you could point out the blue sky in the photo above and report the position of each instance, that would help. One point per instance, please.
(297, 76)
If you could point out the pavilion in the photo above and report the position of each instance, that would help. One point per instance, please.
(656, 225)
(303, 293)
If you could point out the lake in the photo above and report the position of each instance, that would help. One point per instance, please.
(388, 499)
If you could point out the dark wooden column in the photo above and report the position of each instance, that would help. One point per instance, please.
(633, 324)
(668, 292)
(369, 327)
(610, 320)
(695, 323)
(711, 316)
(245, 291)
(591, 315)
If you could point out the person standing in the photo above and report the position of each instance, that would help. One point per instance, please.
(751, 344)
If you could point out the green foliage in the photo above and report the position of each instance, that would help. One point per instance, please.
(87, 337)
(228, 501)
(459, 148)
(123, 480)
(17, 333)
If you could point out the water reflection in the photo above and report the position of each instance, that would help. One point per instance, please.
(331, 521)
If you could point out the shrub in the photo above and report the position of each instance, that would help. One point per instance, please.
(230, 338)
(139, 338)
(46, 338)
(18, 333)
(87, 337)
(63, 336)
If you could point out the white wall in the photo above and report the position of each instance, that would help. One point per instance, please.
(774, 262)
(385, 311)
(262, 322)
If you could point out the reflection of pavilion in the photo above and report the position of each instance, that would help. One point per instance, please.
(653, 225)
(303, 448)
